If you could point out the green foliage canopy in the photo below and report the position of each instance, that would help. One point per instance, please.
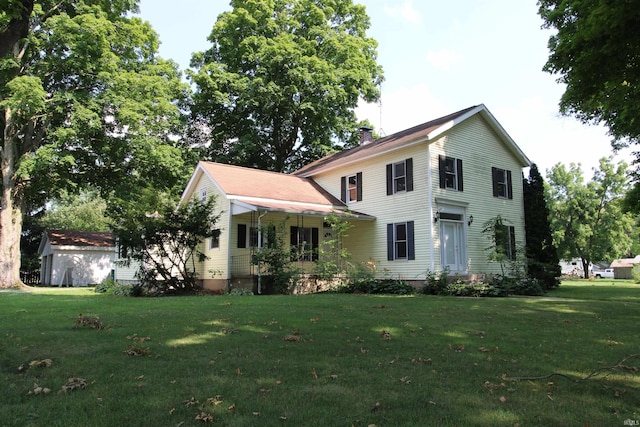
(587, 219)
(85, 211)
(595, 52)
(84, 99)
(279, 85)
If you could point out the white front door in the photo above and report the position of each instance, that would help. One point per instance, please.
(453, 248)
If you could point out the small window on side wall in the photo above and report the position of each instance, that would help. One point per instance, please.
(351, 188)
(502, 187)
(214, 241)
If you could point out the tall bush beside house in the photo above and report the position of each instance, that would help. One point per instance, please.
(543, 263)
(167, 244)
(333, 259)
(277, 272)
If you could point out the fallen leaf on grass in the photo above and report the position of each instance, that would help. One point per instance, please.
(405, 380)
(232, 408)
(74, 383)
(44, 363)
(426, 361)
(457, 348)
(39, 390)
(386, 335)
(215, 400)
(375, 407)
(204, 417)
(293, 338)
(488, 350)
(503, 399)
(314, 374)
(136, 338)
(92, 322)
(191, 402)
(137, 351)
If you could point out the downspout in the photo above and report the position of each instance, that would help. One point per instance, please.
(259, 250)
(229, 222)
(430, 204)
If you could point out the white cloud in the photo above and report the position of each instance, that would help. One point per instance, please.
(444, 59)
(404, 11)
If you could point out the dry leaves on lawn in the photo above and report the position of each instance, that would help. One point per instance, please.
(44, 363)
(39, 390)
(92, 322)
(204, 417)
(74, 383)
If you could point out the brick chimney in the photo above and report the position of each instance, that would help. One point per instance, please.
(366, 135)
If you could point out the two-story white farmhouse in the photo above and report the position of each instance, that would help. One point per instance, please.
(417, 201)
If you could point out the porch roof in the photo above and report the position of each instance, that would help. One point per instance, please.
(241, 205)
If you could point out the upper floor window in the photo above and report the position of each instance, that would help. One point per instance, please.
(203, 196)
(502, 183)
(450, 173)
(400, 176)
(351, 188)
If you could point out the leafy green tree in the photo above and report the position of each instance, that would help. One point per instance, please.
(167, 243)
(85, 211)
(84, 99)
(542, 256)
(587, 219)
(279, 85)
(594, 50)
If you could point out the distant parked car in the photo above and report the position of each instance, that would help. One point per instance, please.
(607, 273)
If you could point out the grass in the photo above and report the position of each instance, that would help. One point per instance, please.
(319, 360)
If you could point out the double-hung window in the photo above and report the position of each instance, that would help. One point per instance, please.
(450, 173)
(400, 177)
(214, 240)
(400, 241)
(506, 241)
(501, 183)
(351, 188)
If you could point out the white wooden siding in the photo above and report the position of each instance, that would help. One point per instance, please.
(480, 148)
(216, 266)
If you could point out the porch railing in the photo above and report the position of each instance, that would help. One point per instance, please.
(241, 266)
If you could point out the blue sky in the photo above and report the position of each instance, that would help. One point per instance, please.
(439, 57)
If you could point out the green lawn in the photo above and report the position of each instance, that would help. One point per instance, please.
(321, 360)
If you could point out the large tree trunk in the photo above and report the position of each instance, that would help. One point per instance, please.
(10, 211)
